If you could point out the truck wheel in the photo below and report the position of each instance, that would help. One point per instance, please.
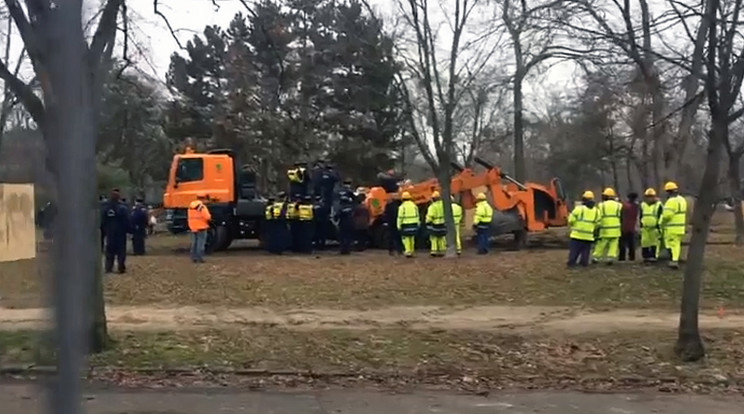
(379, 236)
(520, 239)
(223, 239)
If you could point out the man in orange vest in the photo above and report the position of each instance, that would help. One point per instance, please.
(199, 218)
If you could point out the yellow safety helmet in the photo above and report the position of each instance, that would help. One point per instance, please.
(405, 196)
(609, 192)
(435, 194)
(650, 192)
(588, 195)
(480, 196)
(670, 186)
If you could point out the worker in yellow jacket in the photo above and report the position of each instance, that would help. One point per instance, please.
(457, 216)
(651, 209)
(583, 220)
(408, 223)
(609, 227)
(482, 222)
(674, 222)
(435, 225)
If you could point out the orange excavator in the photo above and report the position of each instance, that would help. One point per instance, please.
(519, 208)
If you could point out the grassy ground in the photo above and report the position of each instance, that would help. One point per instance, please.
(428, 356)
(372, 279)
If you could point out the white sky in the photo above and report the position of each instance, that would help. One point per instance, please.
(189, 17)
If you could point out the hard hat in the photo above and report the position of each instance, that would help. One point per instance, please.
(670, 186)
(435, 194)
(480, 196)
(609, 192)
(406, 195)
(650, 192)
(588, 195)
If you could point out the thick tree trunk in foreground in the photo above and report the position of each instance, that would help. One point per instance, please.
(735, 188)
(689, 345)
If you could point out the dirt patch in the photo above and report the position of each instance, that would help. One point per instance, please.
(519, 319)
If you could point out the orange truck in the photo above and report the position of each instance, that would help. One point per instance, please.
(519, 208)
(236, 207)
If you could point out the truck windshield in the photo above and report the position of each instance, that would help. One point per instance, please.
(189, 169)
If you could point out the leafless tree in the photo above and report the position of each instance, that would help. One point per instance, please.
(9, 100)
(723, 76)
(435, 87)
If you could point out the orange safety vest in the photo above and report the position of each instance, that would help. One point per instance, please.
(198, 216)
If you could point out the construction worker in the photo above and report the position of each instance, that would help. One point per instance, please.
(345, 224)
(457, 216)
(408, 223)
(435, 225)
(305, 225)
(482, 222)
(583, 220)
(114, 227)
(198, 220)
(674, 222)
(139, 221)
(292, 223)
(651, 209)
(608, 242)
(268, 230)
(278, 240)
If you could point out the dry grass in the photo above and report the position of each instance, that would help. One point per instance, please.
(247, 277)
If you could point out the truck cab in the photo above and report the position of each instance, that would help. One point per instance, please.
(231, 195)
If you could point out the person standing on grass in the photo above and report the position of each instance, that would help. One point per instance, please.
(435, 225)
(629, 224)
(582, 221)
(482, 222)
(610, 211)
(198, 219)
(457, 216)
(114, 226)
(139, 227)
(390, 220)
(651, 209)
(408, 223)
(674, 222)
(345, 224)
(268, 230)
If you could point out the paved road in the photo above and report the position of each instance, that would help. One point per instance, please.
(25, 399)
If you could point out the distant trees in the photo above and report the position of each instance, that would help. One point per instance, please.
(313, 79)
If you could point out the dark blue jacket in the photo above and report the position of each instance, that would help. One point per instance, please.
(115, 222)
(139, 220)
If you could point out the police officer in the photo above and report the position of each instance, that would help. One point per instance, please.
(346, 191)
(320, 223)
(345, 224)
(298, 179)
(328, 180)
(140, 221)
(305, 224)
(115, 226)
(279, 239)
(390, 220)
(268, 228)
(293, 224)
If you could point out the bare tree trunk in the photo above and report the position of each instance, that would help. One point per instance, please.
(689, 345)
(71, 127)
(734, 177)
(520, 169)
(629, 173)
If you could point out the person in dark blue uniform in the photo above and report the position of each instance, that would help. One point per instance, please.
(139, 227)
(320, 223)
(390, 220)
(115, 226)
(279, 238)
(305, 225)
(345, 224)
(328, 179)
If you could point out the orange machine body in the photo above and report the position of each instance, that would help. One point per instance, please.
(216, 180)
(540, 206)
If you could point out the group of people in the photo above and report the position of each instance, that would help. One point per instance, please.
(606, 231)
(117, 221)
(303, 223)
